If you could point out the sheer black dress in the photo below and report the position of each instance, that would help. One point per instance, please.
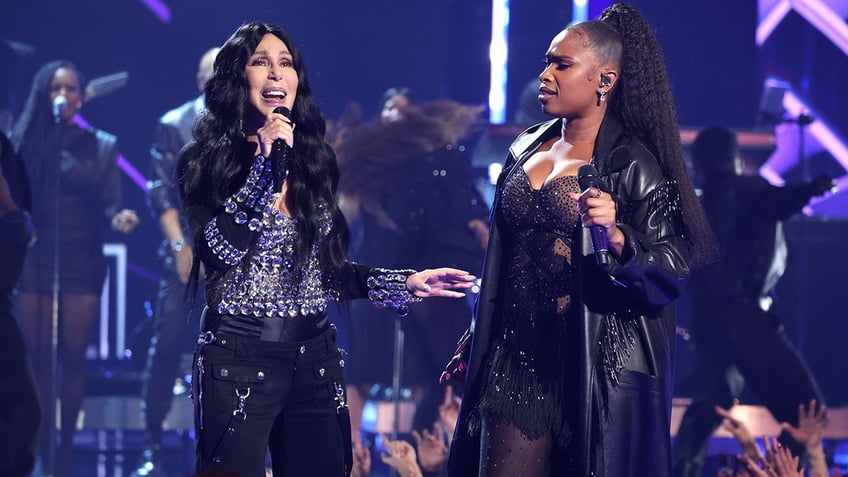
(524, 375)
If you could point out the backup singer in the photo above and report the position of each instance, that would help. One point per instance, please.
(174, 321)
(408, 194)
(73, 169)
(737, 336)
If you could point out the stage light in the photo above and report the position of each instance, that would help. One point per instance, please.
(580, 10)
(160, 9)
(498, 56)
(770, 20)
(786, 132)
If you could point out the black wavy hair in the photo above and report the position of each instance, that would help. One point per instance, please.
(643, 102)
(32, 130)
(215, 164)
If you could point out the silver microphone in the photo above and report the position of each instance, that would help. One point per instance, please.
(60, 104)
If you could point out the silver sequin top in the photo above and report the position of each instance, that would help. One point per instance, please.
(262, 281)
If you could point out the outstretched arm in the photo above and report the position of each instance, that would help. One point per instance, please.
(440, 282)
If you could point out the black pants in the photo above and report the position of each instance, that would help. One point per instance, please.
(251, 396)
(737, 342)
(176, 324)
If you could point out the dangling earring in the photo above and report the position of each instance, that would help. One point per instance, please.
(602, 96)
(241, 128)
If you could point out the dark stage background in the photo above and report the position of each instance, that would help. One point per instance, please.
(439, 48)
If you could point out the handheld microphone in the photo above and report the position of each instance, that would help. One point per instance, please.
(587, 176)
(280, 152)
(60, 104)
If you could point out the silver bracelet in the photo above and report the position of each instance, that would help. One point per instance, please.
(387, 289)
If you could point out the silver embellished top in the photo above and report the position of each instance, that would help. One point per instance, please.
(264, 283)
(261, 280)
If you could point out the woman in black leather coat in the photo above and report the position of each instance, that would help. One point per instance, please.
(569, 371)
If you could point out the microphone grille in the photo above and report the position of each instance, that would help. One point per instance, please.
(283, 110)
(587, 176)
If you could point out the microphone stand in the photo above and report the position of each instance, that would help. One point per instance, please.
(802, 120)
(50, 401)
(397, 375)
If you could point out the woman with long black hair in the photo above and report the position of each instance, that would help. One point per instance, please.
(570, 362)
(258, 183)
(74, 173)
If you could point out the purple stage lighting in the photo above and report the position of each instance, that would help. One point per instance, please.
(158, 7)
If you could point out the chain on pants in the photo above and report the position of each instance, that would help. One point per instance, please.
(253, 396)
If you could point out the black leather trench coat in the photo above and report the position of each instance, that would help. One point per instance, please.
(622, 336)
